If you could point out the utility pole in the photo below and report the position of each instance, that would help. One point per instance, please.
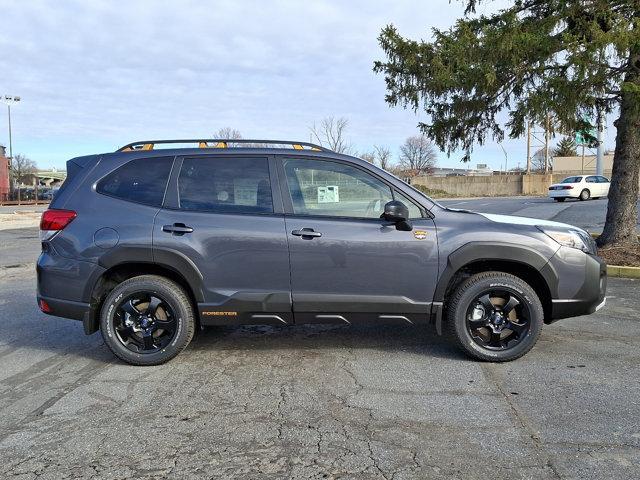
(546, 145)
(600, 154)
(528, 147)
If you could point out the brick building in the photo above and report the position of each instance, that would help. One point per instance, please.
(4, 174)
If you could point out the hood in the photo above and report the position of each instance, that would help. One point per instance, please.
(513, 220)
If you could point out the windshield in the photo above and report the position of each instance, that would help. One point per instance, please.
(572, 180)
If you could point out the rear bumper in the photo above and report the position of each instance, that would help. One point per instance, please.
(563, 194)
(65, 308)
(66, 286)
(586, 282)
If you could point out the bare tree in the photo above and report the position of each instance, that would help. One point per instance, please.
(382, 156)
(368, 157)
(330, 133)
(228, 133)
(417, 155)
(21, 168)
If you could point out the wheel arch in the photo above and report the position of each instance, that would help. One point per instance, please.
(520, 261)
(180, 270)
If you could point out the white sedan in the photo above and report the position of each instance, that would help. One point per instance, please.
(583, 187)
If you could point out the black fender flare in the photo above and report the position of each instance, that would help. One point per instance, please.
(486, 251)
(161, 257)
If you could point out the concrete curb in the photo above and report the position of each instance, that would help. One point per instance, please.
(623, 272)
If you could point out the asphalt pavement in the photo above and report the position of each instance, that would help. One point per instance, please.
(321, 402)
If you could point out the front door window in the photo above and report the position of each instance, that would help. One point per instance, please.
(331, 189)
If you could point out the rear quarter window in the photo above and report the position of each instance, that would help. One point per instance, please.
(143, 180)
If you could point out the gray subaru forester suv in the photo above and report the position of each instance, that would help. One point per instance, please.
(148, 243)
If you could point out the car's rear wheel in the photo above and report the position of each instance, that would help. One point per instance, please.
(494, 316)
(147, 320)
(585, 195)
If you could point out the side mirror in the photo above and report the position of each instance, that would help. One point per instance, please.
(397, 213)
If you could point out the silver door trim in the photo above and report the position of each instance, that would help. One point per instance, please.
(395, 317)
(339, 317)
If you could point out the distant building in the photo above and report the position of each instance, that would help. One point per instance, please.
(577, 165)
(481, 170)
(4, 174)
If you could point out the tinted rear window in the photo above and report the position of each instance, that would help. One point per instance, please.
(142, 181)
(225, 185)
(572, 180)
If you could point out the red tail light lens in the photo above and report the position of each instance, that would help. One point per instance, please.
(44, 306)
(567, 187)
(55, 220)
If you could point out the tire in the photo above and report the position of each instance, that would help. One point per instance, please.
(559, 199)
(467, 294)
(175, 309)
(585, 195)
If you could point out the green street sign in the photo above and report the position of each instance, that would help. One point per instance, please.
(586, 137)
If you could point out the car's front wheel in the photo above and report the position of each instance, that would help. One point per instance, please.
(147, 320)
(494, 316)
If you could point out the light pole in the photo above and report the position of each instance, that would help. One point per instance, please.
(9, 100)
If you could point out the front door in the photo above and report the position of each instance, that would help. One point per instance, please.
(348, 265)
(223, 217)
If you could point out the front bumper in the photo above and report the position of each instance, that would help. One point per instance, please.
(582, 284)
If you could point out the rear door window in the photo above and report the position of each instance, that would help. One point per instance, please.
(572, 180)
(141, 181)
(225, 185)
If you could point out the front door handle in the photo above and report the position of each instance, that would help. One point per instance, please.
(306, 233)
(177, 229)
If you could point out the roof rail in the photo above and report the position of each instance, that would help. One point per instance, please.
(222, 143)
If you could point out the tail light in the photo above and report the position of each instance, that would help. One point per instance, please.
(53, 221)
(44, 306)
(567, 187)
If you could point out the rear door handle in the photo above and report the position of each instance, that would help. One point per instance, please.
(306, 233)
(177, 229)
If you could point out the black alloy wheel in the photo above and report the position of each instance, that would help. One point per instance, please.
(147, 320)
(498, 320)
(494, 316)
(144, 322)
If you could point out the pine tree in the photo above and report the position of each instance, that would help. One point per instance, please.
(571, 59)
(566, 148)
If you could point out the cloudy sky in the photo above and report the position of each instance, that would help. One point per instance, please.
(94, 75)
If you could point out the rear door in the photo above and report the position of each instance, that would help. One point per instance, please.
(223, 217)
(348, 265)
(604, 185)
(594, 187)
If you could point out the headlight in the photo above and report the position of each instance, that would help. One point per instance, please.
(571, 238)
